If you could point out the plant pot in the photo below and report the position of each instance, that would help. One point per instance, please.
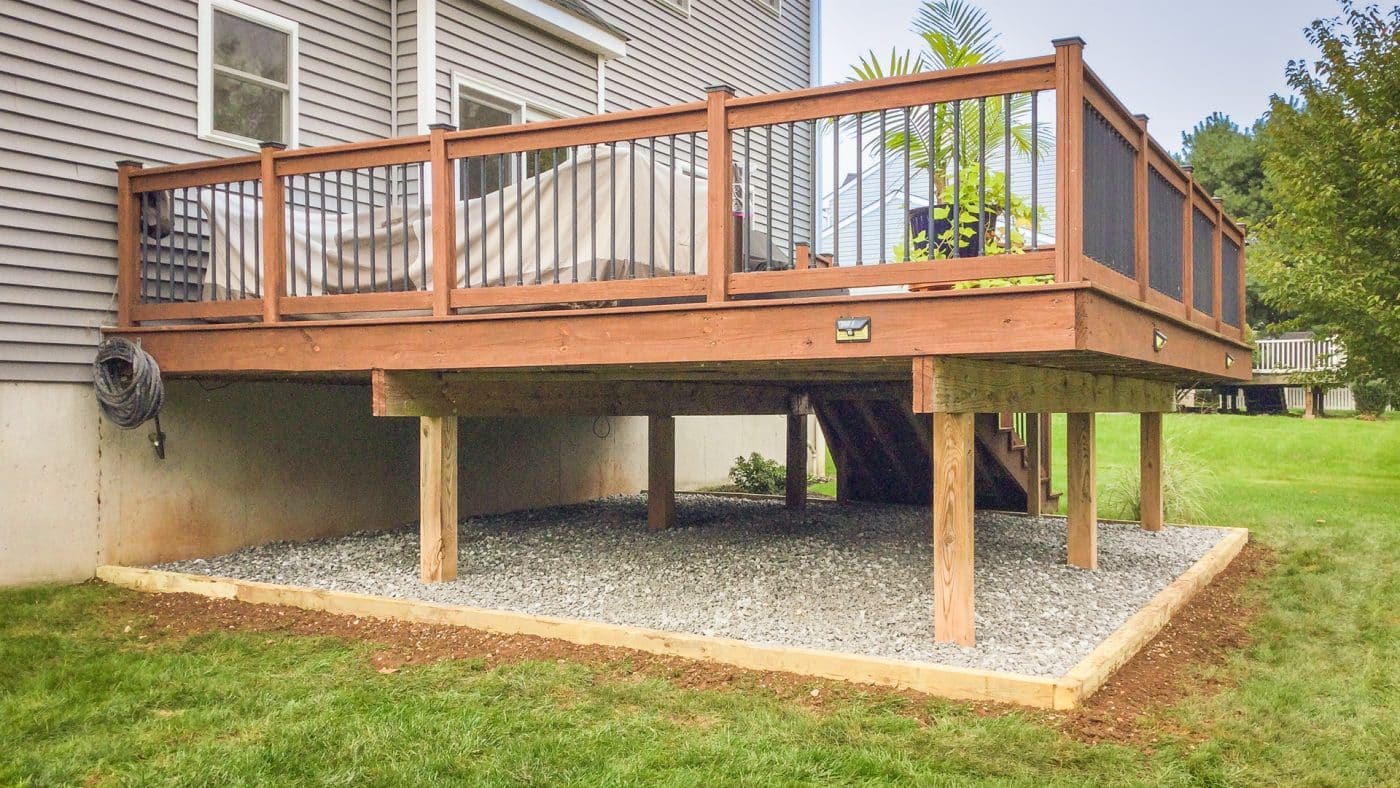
(919, 221)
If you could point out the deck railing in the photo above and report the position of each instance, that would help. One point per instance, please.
(1026, 168)
(1281, 356)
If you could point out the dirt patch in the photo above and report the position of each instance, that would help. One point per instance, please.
(1176, 663)
(1166, 670)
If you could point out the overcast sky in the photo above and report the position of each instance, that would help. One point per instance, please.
(1176, 62)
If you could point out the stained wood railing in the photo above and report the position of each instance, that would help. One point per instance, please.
(711, 200)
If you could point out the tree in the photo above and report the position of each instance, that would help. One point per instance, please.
(1331, 251)
(1229, 163)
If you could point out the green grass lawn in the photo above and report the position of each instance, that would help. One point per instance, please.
(1313, 700)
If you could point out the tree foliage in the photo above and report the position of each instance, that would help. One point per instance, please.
(1331, 251)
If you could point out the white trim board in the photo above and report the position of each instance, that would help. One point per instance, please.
(560, 23)
(426, 64)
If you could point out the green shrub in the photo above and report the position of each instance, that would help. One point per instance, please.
(1371, 397)
(1186, 488)
(758, 474)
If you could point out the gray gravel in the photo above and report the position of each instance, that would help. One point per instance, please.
(853, 578)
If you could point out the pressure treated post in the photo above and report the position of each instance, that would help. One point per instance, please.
(661, 472)
(128, 242)
(444, 226)
(720, 205)
(437, 491)
(1188, 244)
(274, 245)
(1150, 483)
(1035, 488)
(796, 461)
(953, 437)
(1216, 254)
(1141, 175)
(1069, 157)
(1081, 491)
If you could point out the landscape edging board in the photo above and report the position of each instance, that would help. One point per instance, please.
(947, 681)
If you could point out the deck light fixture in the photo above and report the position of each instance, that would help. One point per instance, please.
(852, 329)
(1159, 340)
(1229, 361)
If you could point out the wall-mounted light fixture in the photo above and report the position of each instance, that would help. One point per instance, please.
(1159, 340)
(1229, 361)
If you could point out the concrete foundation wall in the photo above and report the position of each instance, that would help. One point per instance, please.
(248, 463)
(48, 482)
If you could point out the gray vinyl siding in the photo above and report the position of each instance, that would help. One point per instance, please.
(406, 71)
(496, 50)
(672, 59)
(86, 84)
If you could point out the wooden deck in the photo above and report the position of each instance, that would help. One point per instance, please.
(1140, 277)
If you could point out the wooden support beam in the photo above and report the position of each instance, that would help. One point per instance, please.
(1035, 488)
(1150, 483)
(661, 472)
(953, 441)
(436, 394)
(964, 385)
(437, 490)
(796, 462)
(1081, 491)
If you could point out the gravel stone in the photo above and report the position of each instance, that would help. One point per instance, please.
(841, 577)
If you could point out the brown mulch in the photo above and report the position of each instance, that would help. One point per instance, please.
(1170, 667)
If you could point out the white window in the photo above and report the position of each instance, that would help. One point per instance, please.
(681, 7)
(247, 75)
(478, 106)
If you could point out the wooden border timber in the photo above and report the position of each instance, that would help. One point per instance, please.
(1065, 692)
(947, 384)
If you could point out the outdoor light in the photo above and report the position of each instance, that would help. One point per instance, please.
(852, 329)
(1159, 340)
(1229, 361)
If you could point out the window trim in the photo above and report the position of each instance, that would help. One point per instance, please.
(205, 62)
(774, 7)
(501, 99)
(680, 8)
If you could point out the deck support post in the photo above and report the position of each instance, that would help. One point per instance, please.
(1081, 491)
(437, 482)
(953, 442)
(1312, 402)
(1150, 483)
(661, 472)
(1035, 487)
(796, 461)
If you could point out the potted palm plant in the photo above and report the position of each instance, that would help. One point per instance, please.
(944, 141)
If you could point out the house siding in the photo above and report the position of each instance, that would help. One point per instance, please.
(86, 84)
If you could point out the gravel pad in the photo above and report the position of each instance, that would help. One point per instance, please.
(840, 577)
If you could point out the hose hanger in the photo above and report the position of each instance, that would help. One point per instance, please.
(129, 387)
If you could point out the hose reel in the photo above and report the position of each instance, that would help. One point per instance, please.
(129, 387)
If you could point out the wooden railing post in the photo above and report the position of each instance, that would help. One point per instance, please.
(274, 243)
(1188, 244)
(1069, 157)
(1141, 249)
(1244, 236)
(128, 242)
(444, 221)
(1216, 255)
(720, 232)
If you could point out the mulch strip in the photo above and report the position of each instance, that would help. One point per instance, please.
(1172, 666)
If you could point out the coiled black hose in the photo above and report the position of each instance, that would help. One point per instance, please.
(129, 387)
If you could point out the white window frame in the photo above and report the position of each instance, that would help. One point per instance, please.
(678, 7)
(526, 111)
(774, 7)
(205, 92)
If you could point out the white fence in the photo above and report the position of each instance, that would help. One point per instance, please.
(1276, 356)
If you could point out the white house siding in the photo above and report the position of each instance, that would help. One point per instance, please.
(85, 84)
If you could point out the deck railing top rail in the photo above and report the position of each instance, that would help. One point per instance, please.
(1028, 171)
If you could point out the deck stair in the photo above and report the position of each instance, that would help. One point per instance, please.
(882, 453)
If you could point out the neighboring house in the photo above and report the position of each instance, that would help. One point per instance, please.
(86, 84)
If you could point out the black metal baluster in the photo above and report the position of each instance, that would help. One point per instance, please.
(693, 207)
(355, 205)
(908, 245)
(1035, 170)
(519, 159)
(373, 231)
(768, 175)
(501, 212)
(671, 172)
(403, 204)
(792, 194)
(955, 249)
(860, 189)
(981, 176)
(1006, 174)
(880, 256)
(835, 190)
(423, 227)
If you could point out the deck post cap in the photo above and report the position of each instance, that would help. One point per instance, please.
(1188, 169)
(129, 163)
(720, 89)
(268, 144)
(443, 126)
(1140, 117)
(1069, 41)
(1217, 200)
